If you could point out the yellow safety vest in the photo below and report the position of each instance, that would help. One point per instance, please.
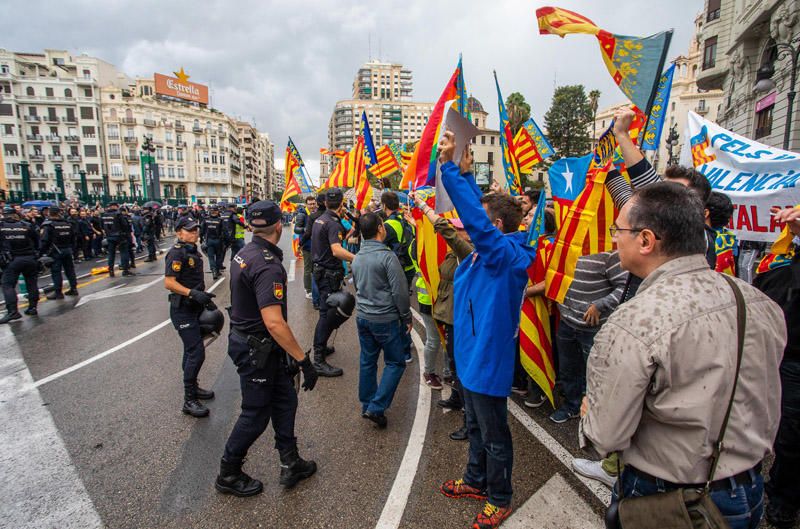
(397, 227)
(423, 296)
(239, 231)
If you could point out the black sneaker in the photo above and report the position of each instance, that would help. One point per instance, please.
(71, 292)
(195, 408)
(55, 295)
(204, 394)
(380, 420)
(128, 273)
(10, 316)
(31, 311)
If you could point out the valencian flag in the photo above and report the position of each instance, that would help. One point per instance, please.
(531, 146)
(387, 162)
(303, 179)
(699, 143)
(292, 186)
(724, 245)
(431, 247)
(572, 234)
(510, 165)
(535, 334)
(780, 254)
(635, 63)
(658, 112)
(421, 168)
(372, 157)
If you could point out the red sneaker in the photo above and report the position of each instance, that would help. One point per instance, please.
(491, 516)
(456, 488)
(433, 381)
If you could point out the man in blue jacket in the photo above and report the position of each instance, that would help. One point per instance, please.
(488, 290)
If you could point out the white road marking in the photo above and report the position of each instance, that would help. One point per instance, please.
(555, 504)
(392, 512)
(291, 271)
(115, 291)
(597, 488)
(40, 485)
(95, 358)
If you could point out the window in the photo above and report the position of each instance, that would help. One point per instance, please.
(32, 111)
(87, 113)
(48, 91)
(168, 136)
(179, 155)
(205, 156)
(159, 153)
(490, 158)
(483, 140)
(87, 74)
(10, 149)
(113, 132)
(29, 91)
(8, 130)
(491, 140)
(51, 114)
(181, 173)
(713, 10)
(92, 168)
(3, 68)
(170, 154)
(67, 92)
(213, 157)
(764, 122)
(87, 92)
(701, 105)
(222, 159)
(120, 189)
(88, 132)
(171, 172)
(710, 53)
(90, 150)
(6, 110)
(114, 150)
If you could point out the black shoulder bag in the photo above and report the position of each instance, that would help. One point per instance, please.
(685, 508)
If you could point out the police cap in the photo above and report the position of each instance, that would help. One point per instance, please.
(213, 207)
(186, 223)
(263, 213)
(9, 210)
(334, 194)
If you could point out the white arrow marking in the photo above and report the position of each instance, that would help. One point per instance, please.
(117, 291)
(291, 271)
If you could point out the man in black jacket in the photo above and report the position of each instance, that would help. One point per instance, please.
(305, 240)
(300, 222)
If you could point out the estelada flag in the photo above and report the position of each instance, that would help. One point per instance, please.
(635, 63)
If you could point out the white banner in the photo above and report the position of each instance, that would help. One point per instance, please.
(754, 176)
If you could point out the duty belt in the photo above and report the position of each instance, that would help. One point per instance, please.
(261, 345)
(742, 478)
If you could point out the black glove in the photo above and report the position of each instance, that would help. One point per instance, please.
(310, 375)
(203, 298)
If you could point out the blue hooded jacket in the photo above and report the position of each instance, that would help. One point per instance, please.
(489, 287)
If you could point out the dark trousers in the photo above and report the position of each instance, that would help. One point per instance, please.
(574, 346)
(741, 505)
(86, 247)
(118, 243)
(216, 252)
(63, 260)
(267, 393)
(307, 270)
(151, 247)
(29, 268)
(185, 321)
(326, 285)
(131, 255)
(236, 245)
(783, 488)
(491, 452)
(97, 244)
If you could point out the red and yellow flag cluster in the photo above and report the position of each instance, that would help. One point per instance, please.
(387, 162)
(292, 186)
(351, 171)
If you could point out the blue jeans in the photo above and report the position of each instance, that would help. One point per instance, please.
(374, 336)
(491, 452)
(574, 346)
(742, 506)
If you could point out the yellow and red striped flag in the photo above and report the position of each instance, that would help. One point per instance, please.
(525, 151)
(431, 247)
(339, 153)
(387, 163)
(569, 245)
(349, 168)
(292, 186)
(405, 158)
(363, 191)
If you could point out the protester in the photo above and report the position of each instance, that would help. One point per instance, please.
(487, 284)
(664, 364)
(383, 319)
(719, 210)
(301, 221)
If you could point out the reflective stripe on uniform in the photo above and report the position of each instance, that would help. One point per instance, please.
(397, 227)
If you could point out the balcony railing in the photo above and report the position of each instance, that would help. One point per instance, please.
(70, 119)
(56, 158)
(72, 139)
(134, 158)
(73, 157)
(115, 156)
(131, 139)
(149, 122)
(197, 130)
(128, 121)
(34, 137)
(37, 157)
(54, 139)
(31, 119)
(51, 119)
(179, 127)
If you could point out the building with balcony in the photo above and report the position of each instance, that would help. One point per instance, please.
(383, 81)
(257, 164)
(50, 115)
(753, 75)
(685, 96)
(486, 150)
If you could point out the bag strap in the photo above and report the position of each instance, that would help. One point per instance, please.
(741, 319)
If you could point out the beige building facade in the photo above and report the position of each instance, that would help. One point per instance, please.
(741, 40)
(486, 150)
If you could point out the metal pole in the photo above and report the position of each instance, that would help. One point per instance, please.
(793, 54)
(60, 192)
(26, 179)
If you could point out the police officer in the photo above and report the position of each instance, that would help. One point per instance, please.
(150, 230)
(398, 234)
(232, 223)
(212, 238)
(58, 241)
(327, 255)
(19, 244)
(262, 346)
(305, 241)
(184, 279)
(118, 236)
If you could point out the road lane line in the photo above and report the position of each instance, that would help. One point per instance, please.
(79, 365)
(395, 505)
(563, 455)
(291, 271)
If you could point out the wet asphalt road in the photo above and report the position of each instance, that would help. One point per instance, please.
(145, 464)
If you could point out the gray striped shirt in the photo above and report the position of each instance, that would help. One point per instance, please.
(599, 280)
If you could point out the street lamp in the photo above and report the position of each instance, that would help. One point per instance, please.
(149, 149)
(764, 82)
(672, 142)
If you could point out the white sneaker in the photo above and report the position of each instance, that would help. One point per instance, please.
(308, 295)
(593, 470)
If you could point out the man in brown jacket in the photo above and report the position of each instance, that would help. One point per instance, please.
(660, 373)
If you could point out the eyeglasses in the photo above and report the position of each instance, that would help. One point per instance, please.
(614, 230)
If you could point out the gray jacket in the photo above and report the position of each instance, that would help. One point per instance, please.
(381, 286)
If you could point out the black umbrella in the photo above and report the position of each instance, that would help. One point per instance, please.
(152, 204)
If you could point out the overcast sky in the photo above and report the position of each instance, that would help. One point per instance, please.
(283, 65)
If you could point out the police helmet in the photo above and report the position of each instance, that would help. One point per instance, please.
(9, 210)
(344, 302)
(45, 261)
(211, 321)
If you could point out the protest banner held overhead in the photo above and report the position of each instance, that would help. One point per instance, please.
(755, 176)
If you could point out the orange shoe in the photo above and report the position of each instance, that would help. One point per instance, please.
(456, 488)
(491, 516)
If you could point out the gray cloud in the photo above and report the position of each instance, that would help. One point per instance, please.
(285, 64)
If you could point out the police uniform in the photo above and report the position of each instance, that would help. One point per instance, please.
(329, 275)
(232, 224)
(19, 245)
(185, 264)
(211, 233)
(150, 230)
(58, 241)
(258, 280)
(117, 230)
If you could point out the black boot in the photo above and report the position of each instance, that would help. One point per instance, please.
(329, 351)
(128, 273)
(294, 468)
(324, 369)
(204, 394)
(232, 480)
(11, 315)
(460, 434)
(453, 402)
(110, 271)
(55, 295)
(71, 292)
(31, 311)
(195, 408)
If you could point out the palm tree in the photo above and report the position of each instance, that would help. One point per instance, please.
(594, 97)
(519, 111)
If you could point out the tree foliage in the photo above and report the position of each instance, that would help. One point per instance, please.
(568, 121)
(518, 110)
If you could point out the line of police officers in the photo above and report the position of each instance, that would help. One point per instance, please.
(261, 344)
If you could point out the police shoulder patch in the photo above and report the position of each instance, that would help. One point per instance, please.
(278, 290)
(176, 266)
(268, 257)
